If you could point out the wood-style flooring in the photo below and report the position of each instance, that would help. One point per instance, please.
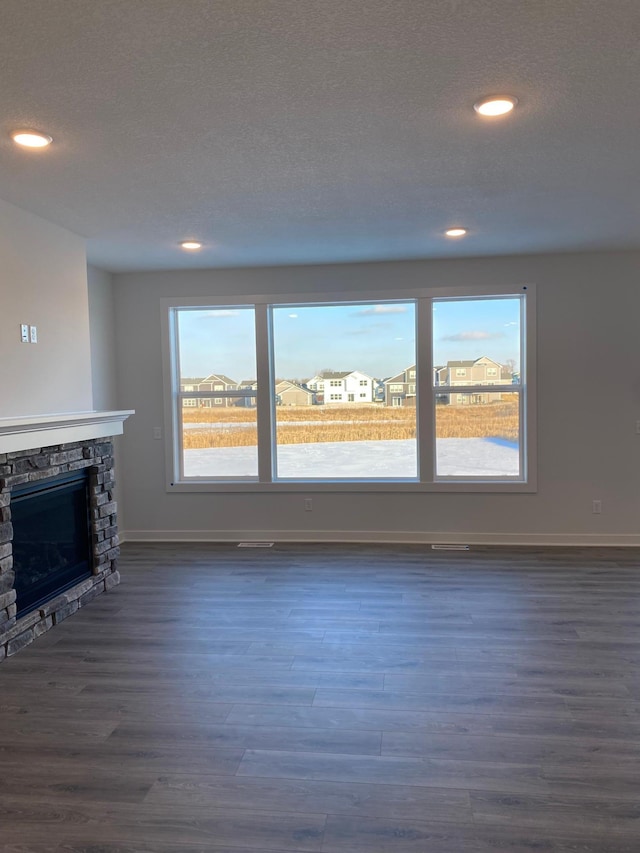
(339, 699)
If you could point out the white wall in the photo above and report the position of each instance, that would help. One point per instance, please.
(588, 404)
(43, 282)
(102, 337)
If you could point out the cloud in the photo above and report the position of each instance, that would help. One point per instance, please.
(475, 335)
(381, 309)
(512, 323)
(293, 316)
(221, 312)
(370, 329)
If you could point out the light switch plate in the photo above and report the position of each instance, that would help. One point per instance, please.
(33, 334)
(24, 333)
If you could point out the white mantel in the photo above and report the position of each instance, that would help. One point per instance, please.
(26, 433)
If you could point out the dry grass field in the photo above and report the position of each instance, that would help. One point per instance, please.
(313, 424)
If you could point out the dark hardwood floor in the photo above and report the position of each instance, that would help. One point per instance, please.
(342, 699)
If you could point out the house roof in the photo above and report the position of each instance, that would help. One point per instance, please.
(319, 129)
(472, 362)
(291, 386)
(219, 377)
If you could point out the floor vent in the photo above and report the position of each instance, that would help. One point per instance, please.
(450, 547)
(255, 544)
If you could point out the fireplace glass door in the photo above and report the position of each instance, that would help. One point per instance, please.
(51, 550)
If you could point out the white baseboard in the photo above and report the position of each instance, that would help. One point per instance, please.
(407, 537)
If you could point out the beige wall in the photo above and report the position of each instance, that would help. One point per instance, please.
(43, 282)
(589, 401)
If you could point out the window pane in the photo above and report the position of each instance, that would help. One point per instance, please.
(336, 416)
(220, 440)
(478, 435)
(476, 341)
(217, 355)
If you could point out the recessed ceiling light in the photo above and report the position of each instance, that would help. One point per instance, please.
(495, 105)
(31, 138)
(191, 245)
(455, 232)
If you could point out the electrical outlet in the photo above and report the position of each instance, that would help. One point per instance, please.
(597, 507)
(637, 427)
(33, 334)
(308, 504)
(24, 333)
(157, 433)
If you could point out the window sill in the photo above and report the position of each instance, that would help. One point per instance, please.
(310, 487)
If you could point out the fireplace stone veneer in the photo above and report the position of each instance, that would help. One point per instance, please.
(27, 466)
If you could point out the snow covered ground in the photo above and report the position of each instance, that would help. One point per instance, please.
(461, 457)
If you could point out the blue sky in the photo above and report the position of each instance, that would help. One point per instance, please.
(468, 329)
(378, 339)
(218, 341)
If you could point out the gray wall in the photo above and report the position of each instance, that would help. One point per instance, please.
(102, 335)
(103, 360)
(588, 404)
(43, 282)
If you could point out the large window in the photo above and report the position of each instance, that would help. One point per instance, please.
(429, 392)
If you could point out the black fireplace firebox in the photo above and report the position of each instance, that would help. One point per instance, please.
(51, 547)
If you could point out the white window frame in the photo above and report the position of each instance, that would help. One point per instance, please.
(427, 394)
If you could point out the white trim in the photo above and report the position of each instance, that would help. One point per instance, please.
(423, 379)
(26, 433)
(361, 298)
(529, 399)
(407, 537)
(265, 395)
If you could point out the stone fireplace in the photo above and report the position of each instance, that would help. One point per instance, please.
(64, 549)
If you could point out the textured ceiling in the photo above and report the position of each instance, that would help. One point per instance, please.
(293, 131)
